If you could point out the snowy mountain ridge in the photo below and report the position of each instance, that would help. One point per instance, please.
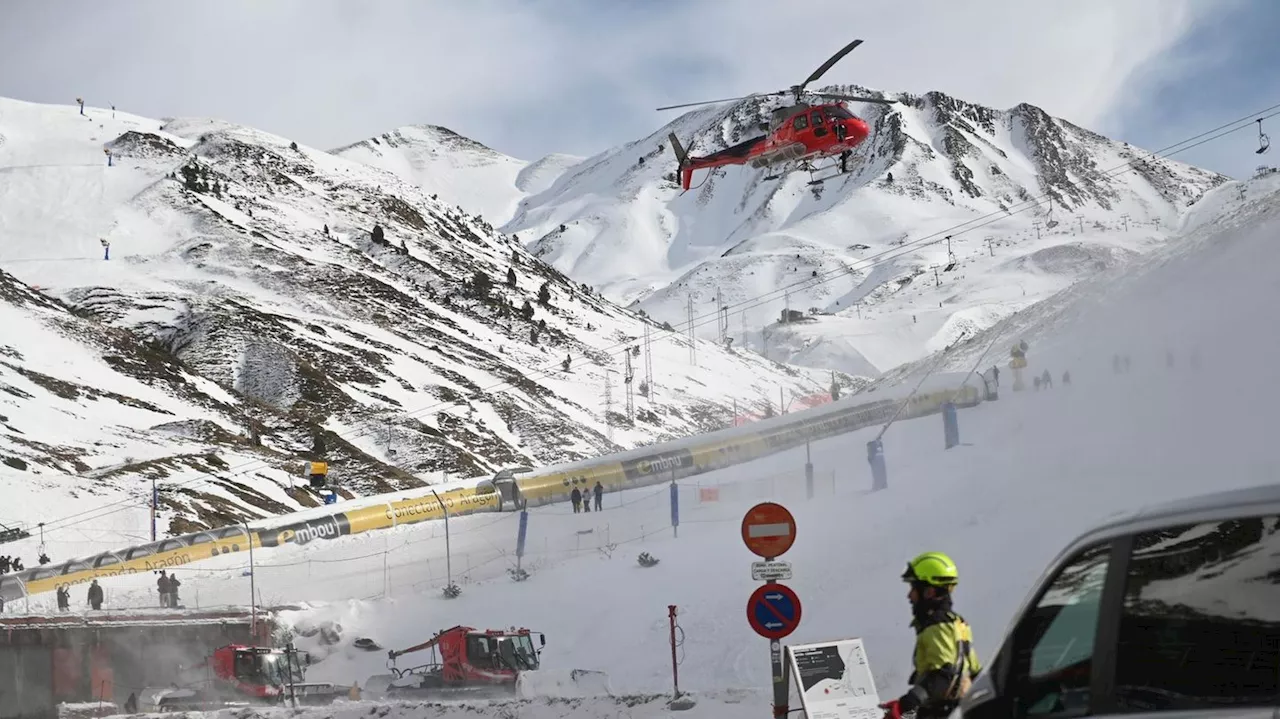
(617, 221)
(308, 306)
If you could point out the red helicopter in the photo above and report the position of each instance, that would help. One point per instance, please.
(800, 132)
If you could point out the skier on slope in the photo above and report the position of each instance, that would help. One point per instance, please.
(945, 661)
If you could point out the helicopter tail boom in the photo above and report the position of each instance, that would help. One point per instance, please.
(738, 154)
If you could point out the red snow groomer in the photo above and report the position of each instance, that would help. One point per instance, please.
(467, 663)
(239, 675)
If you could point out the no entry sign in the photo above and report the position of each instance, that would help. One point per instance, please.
(768, 529)
(773, 611)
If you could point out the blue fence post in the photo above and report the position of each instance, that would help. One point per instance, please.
(879, 473)
(675, 510)
(520, 537)
(950, 425)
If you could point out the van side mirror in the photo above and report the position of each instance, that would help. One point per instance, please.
(542, 640)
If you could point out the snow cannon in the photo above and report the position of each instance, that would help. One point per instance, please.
(469, 664)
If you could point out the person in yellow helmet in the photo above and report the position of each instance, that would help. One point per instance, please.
(945, 661)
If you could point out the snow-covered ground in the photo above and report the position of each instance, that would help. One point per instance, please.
(1034, 468)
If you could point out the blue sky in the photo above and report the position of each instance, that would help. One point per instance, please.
(529, 77)
(1227, 66)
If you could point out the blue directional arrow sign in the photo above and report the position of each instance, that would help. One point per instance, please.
(773, 611)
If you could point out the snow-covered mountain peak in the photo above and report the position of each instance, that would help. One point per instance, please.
(848, 248)
(447, 166)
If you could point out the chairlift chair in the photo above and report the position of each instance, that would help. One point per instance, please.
(1264, 142)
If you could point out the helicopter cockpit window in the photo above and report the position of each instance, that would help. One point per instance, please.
(815, 117)
(801, 122)
(836, 112)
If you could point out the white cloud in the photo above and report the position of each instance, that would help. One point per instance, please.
(569, 75)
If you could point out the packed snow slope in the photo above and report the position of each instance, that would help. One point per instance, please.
(870, 298)
(329, 306)
(1108, 443)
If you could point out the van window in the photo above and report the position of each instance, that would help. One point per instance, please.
(1053, 643)
(1200, 623)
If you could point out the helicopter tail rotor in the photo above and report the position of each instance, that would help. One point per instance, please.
(682, 156)
(683, 169)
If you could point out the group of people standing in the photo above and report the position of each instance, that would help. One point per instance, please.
(167, 586)
(582, 500)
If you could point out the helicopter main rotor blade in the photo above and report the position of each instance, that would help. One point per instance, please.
(822, 69)
(854, 98)
(727, 99)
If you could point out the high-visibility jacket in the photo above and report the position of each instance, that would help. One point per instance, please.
(945, 663)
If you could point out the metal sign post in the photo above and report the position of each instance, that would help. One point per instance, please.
(521, 534)
(675, 509)
(773, 610)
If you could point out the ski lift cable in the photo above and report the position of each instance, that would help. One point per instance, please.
(750, 303)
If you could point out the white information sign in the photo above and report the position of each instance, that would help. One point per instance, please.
(834, 680)
(775, 571)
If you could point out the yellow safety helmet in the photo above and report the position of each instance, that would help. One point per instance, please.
(932, 568)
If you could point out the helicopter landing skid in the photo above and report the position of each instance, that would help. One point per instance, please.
(813, 181)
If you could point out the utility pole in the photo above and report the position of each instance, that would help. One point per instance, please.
(253, 595)
(648, 363)
(1240, 189)
(1036, 225)
(608, 404)
(786, 305)
(991, 244)
(1125, 218)
(627, 380)
(448, 554)
(936, 280)
(155, 508)
(693, 350)
(723, 313)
